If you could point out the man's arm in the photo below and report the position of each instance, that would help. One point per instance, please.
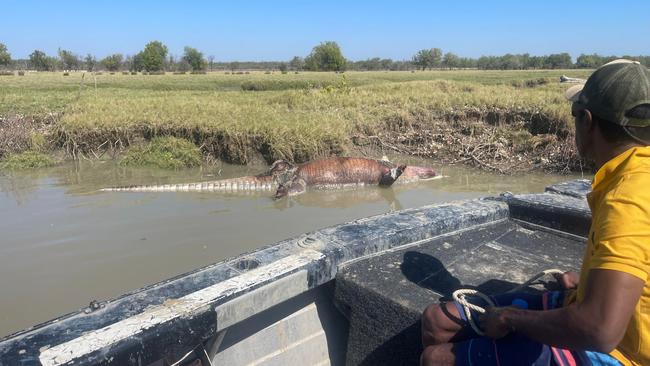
(598, 323)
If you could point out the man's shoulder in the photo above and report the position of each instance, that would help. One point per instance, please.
(633, 184)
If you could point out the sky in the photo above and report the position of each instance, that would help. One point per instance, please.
(277, 30)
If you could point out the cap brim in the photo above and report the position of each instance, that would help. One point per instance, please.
(573, 93)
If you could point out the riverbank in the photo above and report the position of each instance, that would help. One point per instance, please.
(505, 121)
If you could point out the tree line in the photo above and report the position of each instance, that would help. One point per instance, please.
(327, 56)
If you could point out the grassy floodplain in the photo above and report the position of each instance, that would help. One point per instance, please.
(480, 117)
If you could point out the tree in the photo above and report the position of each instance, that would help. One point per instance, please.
(387, 64)
(558, 61)
(153, 56)
(211, 61)
(128, 63)
(5, 56)
(428, 58)
(69, 60)
(421, 59)
(466, 62)
(41, 62)
(194, 58)
(297, 63)
(234, 66)
(170, 63)
(372, 64)
(435, 57)
(112, 62)
(451, 60)
(589, 61)
(183, 66)
(90, 61)
(535, 62)
(326, 56)
(283, 67)
(524, 59)
(511, 62)
(137, 64)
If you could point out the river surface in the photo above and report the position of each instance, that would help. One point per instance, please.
(64, 244)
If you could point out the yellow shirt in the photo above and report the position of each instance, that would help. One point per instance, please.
(619, 239)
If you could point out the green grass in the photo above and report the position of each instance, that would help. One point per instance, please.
(26, 160)
(165, 153)
(291, 116)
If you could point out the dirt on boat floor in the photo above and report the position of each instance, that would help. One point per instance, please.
(501, 141)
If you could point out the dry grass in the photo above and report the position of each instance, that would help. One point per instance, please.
(299, 119)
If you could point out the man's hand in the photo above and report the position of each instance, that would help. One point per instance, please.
(494, 323)
(568, 280)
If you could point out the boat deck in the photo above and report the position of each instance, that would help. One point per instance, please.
(384, 295)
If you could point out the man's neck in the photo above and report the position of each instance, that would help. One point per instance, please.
(609, 151)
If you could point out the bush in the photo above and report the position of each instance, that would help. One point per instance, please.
(66, 73)
(154, 73)
(262, 85)
(164, 152)
(325, 57)
(134, 73)
(530, 83)
(98, 73)
(112, 73)
(6, 73)
(26, 160)
(125, 72)
(227, 73)
(178, 73)
(199, 72)
(21, 73)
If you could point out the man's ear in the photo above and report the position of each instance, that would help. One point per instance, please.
(587, 118)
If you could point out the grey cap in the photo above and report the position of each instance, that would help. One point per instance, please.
(614, 89)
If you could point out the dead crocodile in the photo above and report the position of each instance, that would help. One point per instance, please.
(287, 179)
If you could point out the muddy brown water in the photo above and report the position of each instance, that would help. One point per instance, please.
(64, 244)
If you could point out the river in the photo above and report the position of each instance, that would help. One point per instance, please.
(64, 244)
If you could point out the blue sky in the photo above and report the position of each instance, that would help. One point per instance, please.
(279, 30)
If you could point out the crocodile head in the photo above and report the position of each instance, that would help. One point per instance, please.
(282, 172)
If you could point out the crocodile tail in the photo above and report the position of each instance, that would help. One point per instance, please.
(243, 184)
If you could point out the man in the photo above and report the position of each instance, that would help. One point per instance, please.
(605, 319)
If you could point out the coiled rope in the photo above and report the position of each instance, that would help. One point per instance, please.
(461, 297)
